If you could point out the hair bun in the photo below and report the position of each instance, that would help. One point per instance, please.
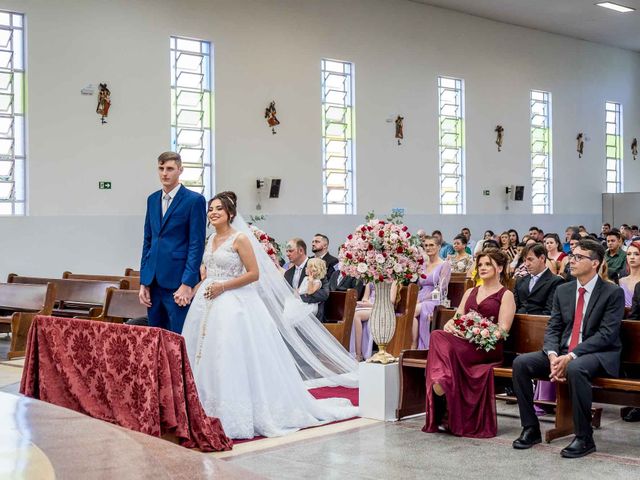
(231, 196)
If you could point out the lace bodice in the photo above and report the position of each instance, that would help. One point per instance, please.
(224, 263)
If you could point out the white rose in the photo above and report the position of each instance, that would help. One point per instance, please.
(362, 267)
(398, 268)
(380, 258)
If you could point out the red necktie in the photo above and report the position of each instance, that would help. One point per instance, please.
(577, 320)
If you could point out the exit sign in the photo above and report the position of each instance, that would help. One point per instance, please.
(104, 185)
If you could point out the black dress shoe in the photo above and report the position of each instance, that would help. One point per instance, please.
(579, 448)
(529, 437)
(632, 416)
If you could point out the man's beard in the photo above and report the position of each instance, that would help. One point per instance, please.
(316, 250)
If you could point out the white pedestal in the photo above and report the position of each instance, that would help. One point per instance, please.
(379, 390)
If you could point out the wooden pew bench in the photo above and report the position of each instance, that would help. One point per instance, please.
(132, 281)
(119, 306)
(18, 305)
(614, 391)
(74, 297)
(339, 310)
(526, 335)
(130, 272)
(405, 310)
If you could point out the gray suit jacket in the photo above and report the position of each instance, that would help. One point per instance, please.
(600, 325)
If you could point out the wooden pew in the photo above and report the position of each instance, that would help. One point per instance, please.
(130, 272)
(133, 282)
(412, 371)
(456, 289)
(74, 297)
(339, 310)
(614, 391)
(20, 303)
(405, 310)
(119, 306)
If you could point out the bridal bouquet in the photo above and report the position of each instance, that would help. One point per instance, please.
(479, 330)
(269, 244)
(381, 251)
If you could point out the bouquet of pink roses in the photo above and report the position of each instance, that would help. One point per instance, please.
(268, 243)
(380, 251)
(479, 330)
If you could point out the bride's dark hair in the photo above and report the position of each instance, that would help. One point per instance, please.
(229, 202)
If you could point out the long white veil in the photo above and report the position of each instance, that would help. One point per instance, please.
(320, 358)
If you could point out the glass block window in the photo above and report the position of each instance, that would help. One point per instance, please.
(613, 126)
(451, 145)
(541, 178)
(12, 115)
(338, 148)
(191, 112)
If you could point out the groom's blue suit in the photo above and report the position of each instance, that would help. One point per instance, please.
(172, 253)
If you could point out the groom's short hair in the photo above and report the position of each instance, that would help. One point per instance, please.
(170, 157)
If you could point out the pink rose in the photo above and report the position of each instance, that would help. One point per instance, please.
(484, 333)
(476, 330)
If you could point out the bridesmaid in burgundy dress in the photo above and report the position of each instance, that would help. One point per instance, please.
(460, 390)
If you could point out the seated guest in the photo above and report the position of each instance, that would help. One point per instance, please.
(470, 243)
(534, 292)
(460, 385)
(310, 289)
(437, 235)
(460, 260)
(517, 267)
(565, 270)
(488, 235)
(535, 233)
(433, 283)
(604, 230)
(615, 257)
(629, 282)
(506, 247)
(514, 238)
(555, 255)
(296, 251)
(582, 341)
(339, 282)
(361, 342)
(320, 248)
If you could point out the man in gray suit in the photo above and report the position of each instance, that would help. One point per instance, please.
(582, 341)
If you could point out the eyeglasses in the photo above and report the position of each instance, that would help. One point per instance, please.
(577, 257)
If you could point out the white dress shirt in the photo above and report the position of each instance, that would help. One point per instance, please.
(298, 273)
(167, 204)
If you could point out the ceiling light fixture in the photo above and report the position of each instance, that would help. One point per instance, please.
(616, 7)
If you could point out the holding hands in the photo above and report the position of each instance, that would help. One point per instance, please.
(183, 295)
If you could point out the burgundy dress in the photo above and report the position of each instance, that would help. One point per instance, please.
(466, 376)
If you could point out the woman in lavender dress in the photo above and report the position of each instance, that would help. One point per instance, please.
(629, 282)
(361, 342)
(433, 283)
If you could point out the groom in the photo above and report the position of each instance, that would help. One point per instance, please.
(174, 241)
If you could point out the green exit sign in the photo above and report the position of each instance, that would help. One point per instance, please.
(104, 185)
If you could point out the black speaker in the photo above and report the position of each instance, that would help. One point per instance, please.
(274, 191)
(518, 194)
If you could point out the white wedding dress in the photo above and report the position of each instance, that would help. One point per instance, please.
(244, 371)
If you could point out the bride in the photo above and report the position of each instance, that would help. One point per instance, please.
(252, 363)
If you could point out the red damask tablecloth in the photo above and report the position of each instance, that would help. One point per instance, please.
(136, 377)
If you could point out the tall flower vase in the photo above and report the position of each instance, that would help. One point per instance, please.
(382, 323)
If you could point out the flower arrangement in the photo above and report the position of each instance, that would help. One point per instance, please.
(479, 330)
(381, 251)
(268, 243)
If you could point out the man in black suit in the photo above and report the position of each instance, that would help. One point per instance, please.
(534, 292)
(297, 254)
(582, 341)
(320, 248)
(341, 283)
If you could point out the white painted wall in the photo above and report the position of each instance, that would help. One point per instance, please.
(271, 49)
